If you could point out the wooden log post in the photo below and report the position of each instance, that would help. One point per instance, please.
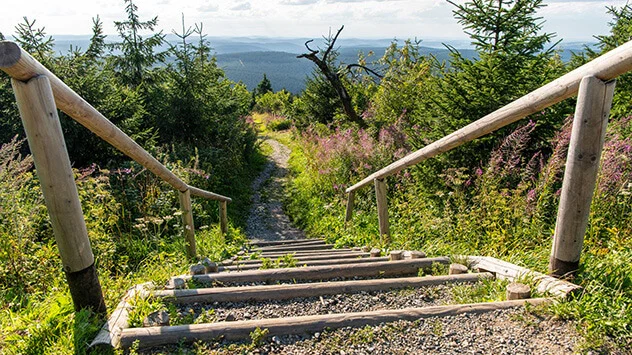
(187, 222)
(382, 209)
(46, 141)
(223, 217)
(350, 203)
(582, 164)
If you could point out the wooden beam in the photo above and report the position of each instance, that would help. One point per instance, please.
(507, 271)
(606, 67)
(283, 292)
(355, 260)
(283, 246)
(294, 248)
(21, 66)
(382, 209)
(187, 223)
(265, 243)
(350, 203)
(306, 253)
(223, 217)
(46, 142)
(386, 268)
(240, 330)
(110, 334)
(582, 165)
(309, 258)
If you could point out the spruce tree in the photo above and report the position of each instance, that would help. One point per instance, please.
(264, 86)
(97, 41)
(138, 53)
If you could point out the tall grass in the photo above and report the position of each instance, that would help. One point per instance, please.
(504, 208)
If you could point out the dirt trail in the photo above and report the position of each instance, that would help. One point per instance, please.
(266, 220)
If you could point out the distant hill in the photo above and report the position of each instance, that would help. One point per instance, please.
(246, 59)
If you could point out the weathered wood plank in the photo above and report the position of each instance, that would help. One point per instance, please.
(309, 258)
(504, 270)
(264, 243)
(382, 209)
(355, 260)
(187, 222)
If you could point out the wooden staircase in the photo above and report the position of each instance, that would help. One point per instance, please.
(315, 269)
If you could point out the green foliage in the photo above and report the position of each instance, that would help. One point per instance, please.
(34, 40)
(278, 103)
(264, 87)
(137, 52)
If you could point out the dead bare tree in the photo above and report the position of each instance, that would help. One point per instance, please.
(333, 76)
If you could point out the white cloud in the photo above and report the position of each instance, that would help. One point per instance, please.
(242, 7)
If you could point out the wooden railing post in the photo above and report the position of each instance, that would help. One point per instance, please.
(187, 222)
(582, 165)
(223, 217)
(382, 209)
(350, 202)
(46, 141)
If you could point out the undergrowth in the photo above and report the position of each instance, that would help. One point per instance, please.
(135, 231)
(505, 208)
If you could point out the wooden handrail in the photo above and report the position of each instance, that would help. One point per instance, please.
(606, 67)
(19, 65)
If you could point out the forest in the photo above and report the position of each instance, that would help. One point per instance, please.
(495, 196)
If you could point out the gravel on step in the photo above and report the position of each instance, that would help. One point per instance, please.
(509, 331)
(342, 303)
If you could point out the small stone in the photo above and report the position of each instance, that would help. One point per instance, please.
(518, 291)
(230, 317)
(247, 315)
(197, 269)
(456, 269)
(209, 266)
(316, 335)
(175, 283)
(375, 252)
(276, 340)
(156, 319)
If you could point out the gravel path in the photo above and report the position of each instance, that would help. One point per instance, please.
(267, 221)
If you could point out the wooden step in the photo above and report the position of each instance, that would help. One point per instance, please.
(356, 260)
(373, 269)
(282, 292)
(352, 255)
(283, 246)
(263, 243)
(304, 253)
(240, 330)
(293, 248)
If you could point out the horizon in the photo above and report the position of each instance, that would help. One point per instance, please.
(571, 21)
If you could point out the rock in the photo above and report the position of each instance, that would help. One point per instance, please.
(156, 319)
(456, 269)
(230, 317)
(175, 283)
(518, 291)
(276, 340)
(414, 254)
(209, 266)
(197, 269)
(396, 255)
(375, 252)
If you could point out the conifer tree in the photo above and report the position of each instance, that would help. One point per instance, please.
(97, 41)
(138, 53)
(264, 86)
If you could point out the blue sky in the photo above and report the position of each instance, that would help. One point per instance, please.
(424, 19)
